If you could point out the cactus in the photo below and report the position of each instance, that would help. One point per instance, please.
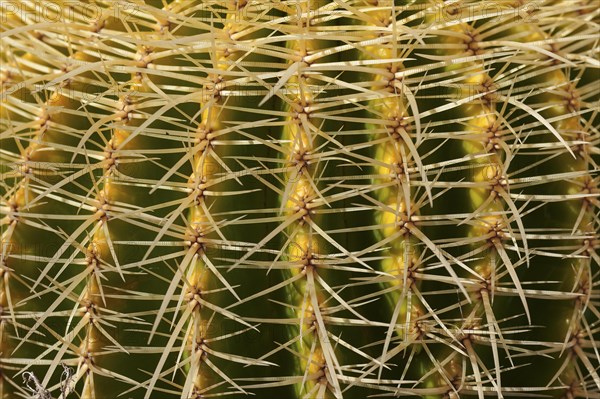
(299, 199)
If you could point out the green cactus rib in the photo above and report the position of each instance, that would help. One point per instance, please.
(397, 161)
(299, 199)
(493, 210)
(564, 105)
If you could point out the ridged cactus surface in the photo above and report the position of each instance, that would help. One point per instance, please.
(299, 199)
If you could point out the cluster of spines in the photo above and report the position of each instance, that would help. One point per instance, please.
(397, 163)
(488, 195)
(507, 117)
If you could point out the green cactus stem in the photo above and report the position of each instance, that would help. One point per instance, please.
(299, 199)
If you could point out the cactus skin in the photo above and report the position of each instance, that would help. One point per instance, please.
(300, 199)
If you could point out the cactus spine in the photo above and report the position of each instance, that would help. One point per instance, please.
(299, 199)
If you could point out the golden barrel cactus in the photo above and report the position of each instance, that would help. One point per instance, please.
(299, 199)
